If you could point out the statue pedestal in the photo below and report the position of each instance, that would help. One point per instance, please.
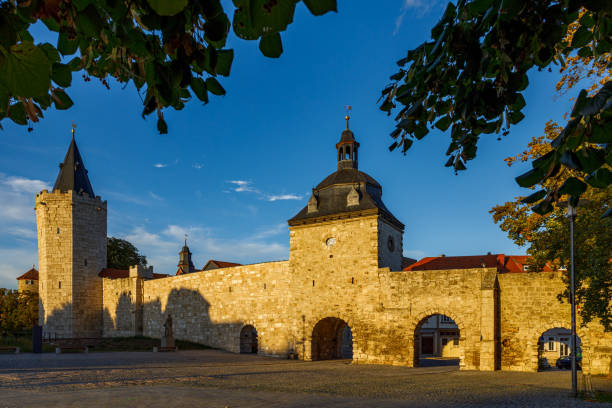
(167, 342)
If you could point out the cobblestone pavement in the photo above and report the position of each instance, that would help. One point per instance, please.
(210, 378)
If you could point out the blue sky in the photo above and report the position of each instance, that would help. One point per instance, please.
(230, 174)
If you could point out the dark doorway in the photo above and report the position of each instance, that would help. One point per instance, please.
(332, 339)
(437, 342)
(427, 345)
(248, 340)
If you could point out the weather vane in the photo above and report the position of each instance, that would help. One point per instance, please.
(347, 117)
(73, 129)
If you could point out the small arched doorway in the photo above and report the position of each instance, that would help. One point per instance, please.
(437, 342)
(248, 340)
(555, 349)
(332, 338)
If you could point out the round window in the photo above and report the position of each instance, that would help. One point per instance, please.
(390, 244)
(330, 241)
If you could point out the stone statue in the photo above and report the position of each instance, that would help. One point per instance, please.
(168, 339)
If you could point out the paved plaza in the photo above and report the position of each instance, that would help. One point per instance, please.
(210, 378)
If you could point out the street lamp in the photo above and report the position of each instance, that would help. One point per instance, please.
(571, 213)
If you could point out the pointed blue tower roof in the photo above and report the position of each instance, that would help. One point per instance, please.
(73, 175)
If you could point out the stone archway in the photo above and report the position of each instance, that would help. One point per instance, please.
(248, 340)
(534, 351)
(445, 343)
(332, 338)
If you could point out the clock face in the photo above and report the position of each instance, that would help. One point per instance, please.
(330, 241)
(390, 244)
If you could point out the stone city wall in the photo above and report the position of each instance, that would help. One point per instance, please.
(529, 307)
(211, 307)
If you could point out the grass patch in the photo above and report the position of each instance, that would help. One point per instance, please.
(24, 342)
(599, 396)
(140, 343)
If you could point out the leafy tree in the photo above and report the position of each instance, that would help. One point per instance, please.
(547, 236)
(17, 310)
(121, 254)
(472, 74)
(169, 49)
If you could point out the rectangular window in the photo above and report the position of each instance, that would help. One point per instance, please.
(551, 344)
(60, 285)
(85, 262)
(564, 346)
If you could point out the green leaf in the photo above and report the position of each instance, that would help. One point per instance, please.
(531, 178)
(65, 45)
(254, 18)
(61, 75)
(573, 186)
(61, 99)
(590, 158)
(26, 71)
(199, 88)
(601, 133)
(214, 86)
(543, 207)
(271, 45)
(224, 61)
(17, 113)
(600, 178)
(162, 126)
(570, 160)
(320, 7)
(167, 8)
(537, 196)
(51, 24)
(582, 36)
(90, 22)
(444, 123)
(51, 52)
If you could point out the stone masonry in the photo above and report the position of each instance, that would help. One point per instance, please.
(344, 266)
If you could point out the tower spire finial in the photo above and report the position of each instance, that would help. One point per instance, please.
(347, 117)
(73, 129)
(185, 239)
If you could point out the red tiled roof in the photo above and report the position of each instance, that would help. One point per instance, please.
(221, 264)
(123, 273)
(503, 263)
(31, 274)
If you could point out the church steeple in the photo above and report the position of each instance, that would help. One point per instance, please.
(73, 175)
(347, 147)
(185, 264)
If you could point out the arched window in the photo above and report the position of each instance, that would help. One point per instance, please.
(348, 153)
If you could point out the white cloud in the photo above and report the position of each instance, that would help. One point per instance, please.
(414, 253)
(243, 186)
(247, 186)
(17, 198)
(160, 165)
(25, 185)
(198, 165)
(15, 262)
(162, 248)
(422, 7)
(284, 197)
(155, 196)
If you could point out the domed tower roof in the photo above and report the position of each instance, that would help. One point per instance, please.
(346, 191)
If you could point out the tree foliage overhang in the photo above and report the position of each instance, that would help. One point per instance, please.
(170, 49)
(472, 74)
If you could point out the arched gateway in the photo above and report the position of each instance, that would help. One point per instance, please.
(332, 338)
(248, 340)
